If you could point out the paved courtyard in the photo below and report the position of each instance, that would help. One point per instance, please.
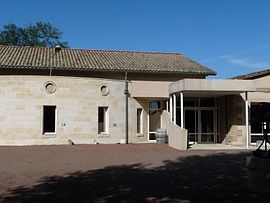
(123, 173)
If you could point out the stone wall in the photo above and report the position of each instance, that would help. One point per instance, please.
(77, 99)
(236, 120)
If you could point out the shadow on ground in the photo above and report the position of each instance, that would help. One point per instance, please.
(214, 178)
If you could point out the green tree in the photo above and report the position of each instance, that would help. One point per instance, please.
(40, 34)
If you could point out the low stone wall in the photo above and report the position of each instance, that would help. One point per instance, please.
(258, 174)
(177, 137)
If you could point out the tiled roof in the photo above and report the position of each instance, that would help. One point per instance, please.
(253, 75)
(19, 57)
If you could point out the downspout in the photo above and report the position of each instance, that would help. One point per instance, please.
(127, 95)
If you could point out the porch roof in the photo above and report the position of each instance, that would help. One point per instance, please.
(205, 87)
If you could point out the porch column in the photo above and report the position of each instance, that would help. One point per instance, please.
(174, 109)
(171, 107)
(182, 109)
(247, 118)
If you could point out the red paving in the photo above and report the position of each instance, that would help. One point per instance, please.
(123, 173)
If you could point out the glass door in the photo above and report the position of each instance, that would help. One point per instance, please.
(201, 125)
(191, 117)
(201, 119)
(207, 126)
(154, 119)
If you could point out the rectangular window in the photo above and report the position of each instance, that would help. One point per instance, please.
(191, 102)
(49, 119)
(256, 125)
(258, 111)
(207, 102)
(139, 121)
(102, 120)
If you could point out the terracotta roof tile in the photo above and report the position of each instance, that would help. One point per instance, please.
(253, 75)
(98, 60)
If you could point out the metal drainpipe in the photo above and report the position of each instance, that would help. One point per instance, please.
(127, 95)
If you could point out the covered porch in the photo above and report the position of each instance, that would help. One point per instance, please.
(211, 111)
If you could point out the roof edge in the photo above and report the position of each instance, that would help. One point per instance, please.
(106, 70)
(253, 75)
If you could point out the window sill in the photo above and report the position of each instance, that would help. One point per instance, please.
(152, 141)
(140, 135)
(103, 135)
(48, 135)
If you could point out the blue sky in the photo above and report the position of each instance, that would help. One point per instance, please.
(229, 36)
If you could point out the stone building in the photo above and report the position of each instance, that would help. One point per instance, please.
(50, 96)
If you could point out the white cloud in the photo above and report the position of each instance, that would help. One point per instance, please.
(244, 62)
(255, 49)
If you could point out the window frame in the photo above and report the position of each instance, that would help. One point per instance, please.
(106, 120)
(253, 136)
(140, 119)
(256, 134)
(55, 121)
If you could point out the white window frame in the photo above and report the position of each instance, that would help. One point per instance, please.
(55, 125)
(141, 121)
(148, 120)
(254, 134)
(106, 120)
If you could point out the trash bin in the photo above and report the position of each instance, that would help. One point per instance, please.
(161, 136)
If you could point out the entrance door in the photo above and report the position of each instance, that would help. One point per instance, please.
(201, 125)
(154, 119)
(207, 126)
(191, 117)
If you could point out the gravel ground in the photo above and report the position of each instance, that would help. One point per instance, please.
(123, 173)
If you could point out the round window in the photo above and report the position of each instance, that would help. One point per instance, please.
(104, 90)
(50, 87)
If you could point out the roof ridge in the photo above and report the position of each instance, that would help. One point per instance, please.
(18, 46)
(105, 50)
(129, 51)
(253, 74)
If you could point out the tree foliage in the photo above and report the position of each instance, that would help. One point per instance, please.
(40, 34)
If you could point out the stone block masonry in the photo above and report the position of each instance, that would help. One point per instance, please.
(76, 99)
